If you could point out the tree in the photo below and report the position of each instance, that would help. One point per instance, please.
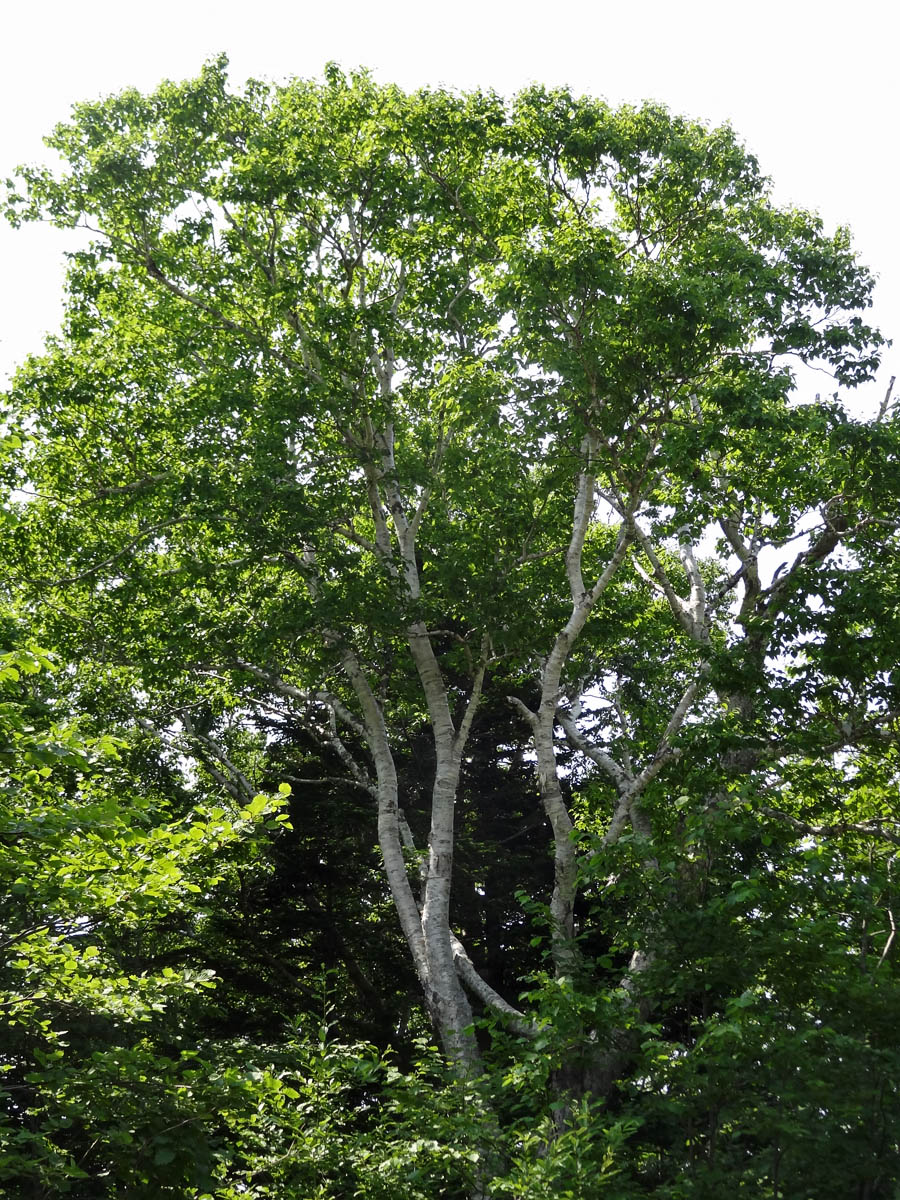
(456, 432)
(92, 865)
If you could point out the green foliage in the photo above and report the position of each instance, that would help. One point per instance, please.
(330, 374)
(88, 862)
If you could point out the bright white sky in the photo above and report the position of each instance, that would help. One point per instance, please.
(811, 85)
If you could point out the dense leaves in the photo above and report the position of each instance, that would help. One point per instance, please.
(436, 458)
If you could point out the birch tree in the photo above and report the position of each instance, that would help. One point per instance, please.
(370, 407)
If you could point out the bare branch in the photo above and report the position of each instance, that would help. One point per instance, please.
(119, 554)
(584, 507)
(465, 724)
(255, 337)
(341, 779)
(729, 527)
(523, 710)
(479, 987)
(604, 761)
(820, 548)
(318, 696)
(697, 603)
(890, 940)
(886, 402)
(360, 775)
(681, 609)
(235, 781)
(348, 532)
(124, 489)
(618, 557)
(665, 752)
(867, 829)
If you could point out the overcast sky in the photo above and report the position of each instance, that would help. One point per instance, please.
(810, 86)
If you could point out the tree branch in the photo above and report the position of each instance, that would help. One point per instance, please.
(479, 987)
(866, 829)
